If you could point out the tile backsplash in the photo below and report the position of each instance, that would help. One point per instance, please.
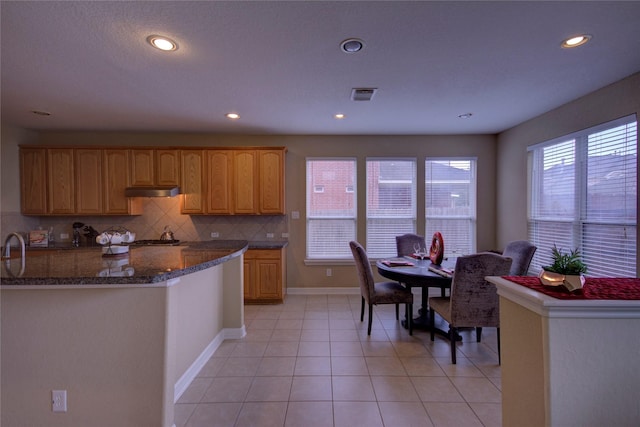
(158, 213)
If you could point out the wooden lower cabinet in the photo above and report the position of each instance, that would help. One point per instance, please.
(264, 276)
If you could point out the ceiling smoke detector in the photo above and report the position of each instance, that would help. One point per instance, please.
(351, 45)
(363, 94)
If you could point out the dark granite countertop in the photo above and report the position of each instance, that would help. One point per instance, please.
(141, 265)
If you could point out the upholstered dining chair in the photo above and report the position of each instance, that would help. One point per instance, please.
(405, 243)
(521, 252)
(473, 302)
(379, 293)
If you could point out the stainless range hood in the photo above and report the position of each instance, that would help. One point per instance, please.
(157, 191)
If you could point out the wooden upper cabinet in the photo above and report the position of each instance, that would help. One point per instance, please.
(61, 181)
(88, 164)
(219, 182)
(167, 167)
(116, 177)
(245, 184)
(192, 181)
(271, 178)
(151, 167)
(33, 181)
(142, 168)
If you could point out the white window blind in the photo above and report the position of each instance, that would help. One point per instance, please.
(450, 203)
(583, 195)
(331, 213)
(391, 203)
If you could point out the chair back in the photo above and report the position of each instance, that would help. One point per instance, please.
(405, 242)
(474, 301)
(365, 273)
(521, 252)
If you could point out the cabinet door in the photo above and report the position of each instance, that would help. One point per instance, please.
(33, 181)
(268, 279)
(142, 168)
(61, 183)
(249, 280)
(219, 181)
(116, 178)
(264, 276)
(192, 181)
(88, 163)
(271, 181)
(167, 167)
(245, 182)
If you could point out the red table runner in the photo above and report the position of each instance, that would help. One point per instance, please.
(618, 288)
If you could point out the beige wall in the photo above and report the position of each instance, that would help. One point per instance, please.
(299, 148)
(617, 100)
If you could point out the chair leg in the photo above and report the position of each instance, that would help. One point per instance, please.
(432, 319)
(452, 338)
(370, 318)
(499, 358)
(362, 310)
(409, 308)
(397, 311)
(478, 334)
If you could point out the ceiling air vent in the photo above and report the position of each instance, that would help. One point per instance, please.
(363, 94)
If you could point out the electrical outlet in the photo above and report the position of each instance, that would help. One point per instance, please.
(329, 272)
(269, 235)
(64, 236)
(295, 215)
(59, 400)
(215, 234)
(285, 235)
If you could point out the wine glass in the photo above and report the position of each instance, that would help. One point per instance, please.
(416, 249)
(419, 251)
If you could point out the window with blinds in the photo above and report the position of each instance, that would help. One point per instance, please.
(450, 203)
(331, 207)
(391, 203)
(583, 194)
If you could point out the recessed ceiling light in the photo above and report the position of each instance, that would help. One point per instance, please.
(576, 41)
(232, 116)
(351, 45)
(339, 116)
(465, 116)
(162, 43)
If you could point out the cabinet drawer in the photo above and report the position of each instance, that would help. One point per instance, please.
(263, 254)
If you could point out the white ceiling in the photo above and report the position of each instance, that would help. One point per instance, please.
(279, 65)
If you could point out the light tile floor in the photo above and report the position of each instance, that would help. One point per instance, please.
(309, 362)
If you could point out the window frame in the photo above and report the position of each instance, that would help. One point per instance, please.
(580, 222)
(376, 251)
(453, 250)
(310, 217)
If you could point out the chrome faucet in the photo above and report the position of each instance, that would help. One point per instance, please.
(7, 246)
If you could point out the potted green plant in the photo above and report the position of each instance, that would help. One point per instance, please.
(567, 269)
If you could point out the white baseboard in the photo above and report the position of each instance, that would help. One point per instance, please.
(185, 380)
(332, 291)
(323, 291)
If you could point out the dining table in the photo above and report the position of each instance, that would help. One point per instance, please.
(414, 272)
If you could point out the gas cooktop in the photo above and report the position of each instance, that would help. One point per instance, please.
(154, 242)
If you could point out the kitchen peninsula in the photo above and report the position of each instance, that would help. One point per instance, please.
(123, 336)
(569, 360)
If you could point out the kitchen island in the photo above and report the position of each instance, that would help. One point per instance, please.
(122, 335)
